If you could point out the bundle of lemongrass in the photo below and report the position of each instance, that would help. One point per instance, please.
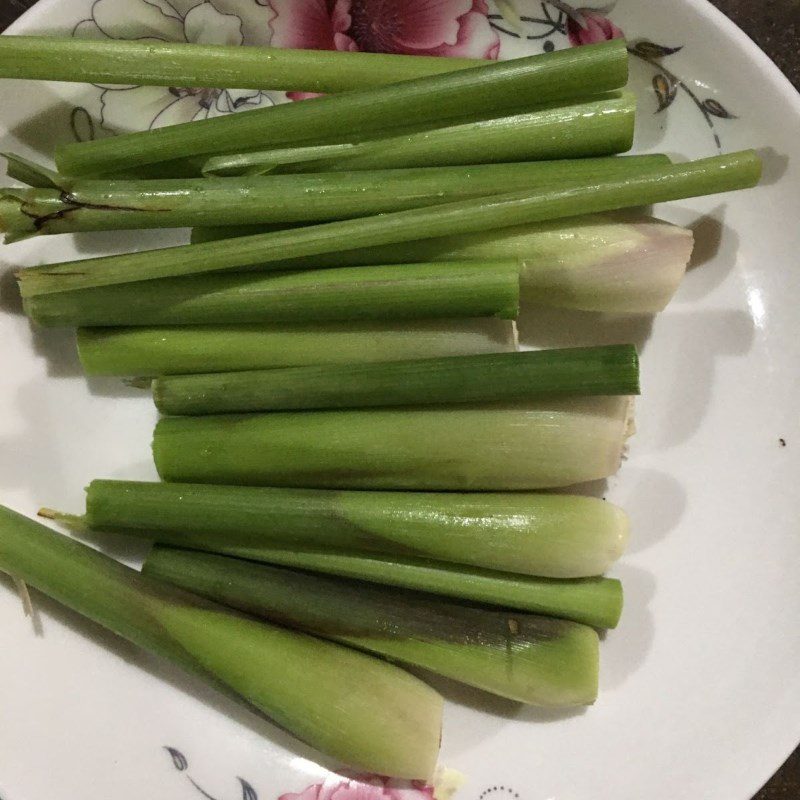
(342, 322)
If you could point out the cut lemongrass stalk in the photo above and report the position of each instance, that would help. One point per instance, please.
(92, 205)
(604, 262)
(30, 173)
(438, 381)
(717, 174)
(550, 535)
(496, 87)
(412, 291)
(593, 128)
(472, 448)
(156, 63)
(220, 348)
(592, 601)
(524, 657)
(357, 709)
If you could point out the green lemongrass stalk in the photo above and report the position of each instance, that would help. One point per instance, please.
(355, 708)
(154, 63)
(438, 381)
(453, 448)
(717, 174)
(591, 601)
(550, 535)
(496, 87)
(528, 658)
(92, 205)
(412, 291)
(30, 173)
(222, 348)
(593, 128)
(603, 262)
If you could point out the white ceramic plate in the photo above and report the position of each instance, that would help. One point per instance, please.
(700, 688)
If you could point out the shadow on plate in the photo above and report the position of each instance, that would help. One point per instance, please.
(774, 166)
(655, 502)
(34, 455)
(633, 637)
(558, 327)
(58, 348)
(716, 247)
(692, 343)
(10, 299)
(44, 131)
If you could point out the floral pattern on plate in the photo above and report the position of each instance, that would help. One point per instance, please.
(465, 28)
(224, 22)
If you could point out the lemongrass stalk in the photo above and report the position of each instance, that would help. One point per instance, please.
(590, 601)
(438, 381)
(515, 241)
(500, 86)
(472, 448)
(92, 205)
(524, 657)
(549, 535)
(413, 291)
(707, 176)
(155, 63)
(592, 128)
(30, 173)
(357, 709)
(220, 348)
(605, 262)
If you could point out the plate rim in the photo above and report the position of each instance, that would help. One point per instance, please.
(772, 75)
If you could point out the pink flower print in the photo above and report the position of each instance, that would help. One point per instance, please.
(412, 27)
(597, 28)
(368, 787)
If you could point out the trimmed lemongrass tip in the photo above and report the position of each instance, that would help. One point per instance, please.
(461, 379)
(91, 205)
(528, 658)
(489, 88)
(224, 348)
(355, 708)
(412, 291)
(593, 128)
(633, 267)
(549, 535)
(154, 63)
(473, 448)
(30, 173)
(594, 601)
(614, 263)
(658, 184)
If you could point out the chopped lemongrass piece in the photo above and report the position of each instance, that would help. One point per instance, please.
(360, 710)
(92, 205)
(592, 128)
(478, 448)
(660, 183)
(591, 601)
(489, 88)
(550, 535)
(217, 348)
(603, 262)
(31, 173)
(438, 381)
(413, 291)
(528, 658)
(149, 62)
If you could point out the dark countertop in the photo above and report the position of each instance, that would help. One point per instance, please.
(775, 26)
